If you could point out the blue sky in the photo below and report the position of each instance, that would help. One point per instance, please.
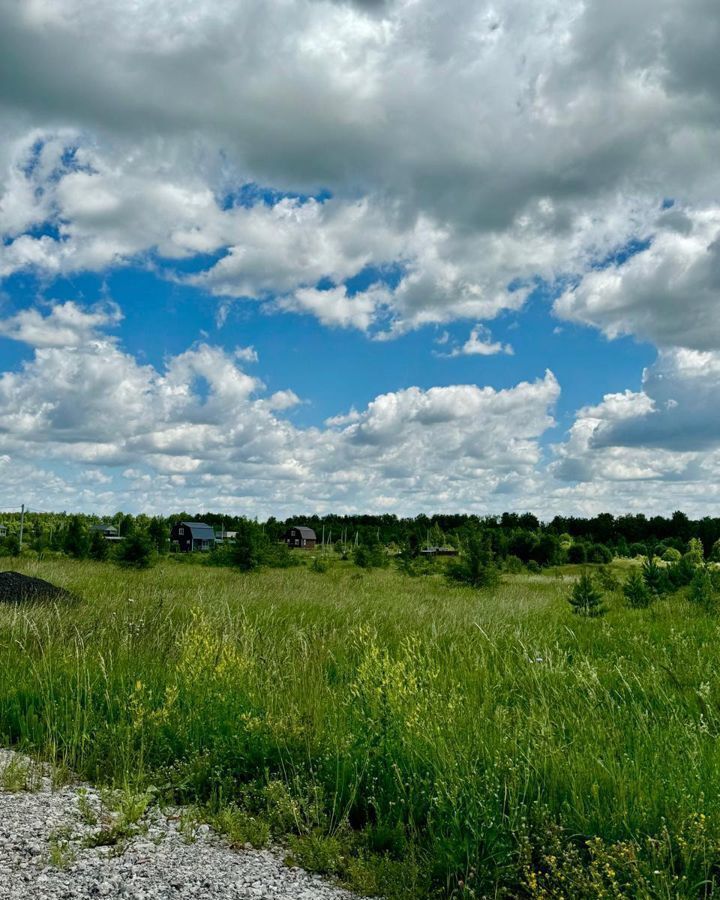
(423, 264)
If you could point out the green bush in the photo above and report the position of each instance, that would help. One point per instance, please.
(585, 597)
(476, 567)
(637, 595)
(702, 591)
(136, 550)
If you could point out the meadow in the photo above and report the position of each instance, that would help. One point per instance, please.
(406, 736)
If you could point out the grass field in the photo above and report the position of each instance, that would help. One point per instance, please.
(413, 739)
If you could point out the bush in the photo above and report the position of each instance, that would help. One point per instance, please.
(683, 571)
(369, 557)
(99, 549)
(585, 597)
(702, 591)
(599, 553)
(76, 541)
(136, 550)
(672, 555)
(513, 565)
(577, 553)
(477, 567)
(656, 579)
(636, 592)
(10, 546)
(320, 564)
(606, 579)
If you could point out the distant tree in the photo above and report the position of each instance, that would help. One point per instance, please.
(248, 546)
(599, 553)
(577, 553)
(10, 545)
(672, 555)
(636, 592)
(715, 552)
(585, 597)
(136, 550)
(696, 551)
(159, 534)
(638, 549)
(99, 549)
(76, 541)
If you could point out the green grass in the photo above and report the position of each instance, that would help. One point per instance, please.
(411, 738)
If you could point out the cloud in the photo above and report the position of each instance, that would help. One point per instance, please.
(66, 325)
(494, 147)
(201, 431)
(667, 294)
(480, 343)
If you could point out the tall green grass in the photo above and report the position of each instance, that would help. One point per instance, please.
(413, 738)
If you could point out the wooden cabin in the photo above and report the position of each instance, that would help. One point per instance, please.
(301, 537)
(192, 536)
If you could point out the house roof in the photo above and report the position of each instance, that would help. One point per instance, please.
(200, 531)
(104, 528)
(307, 534)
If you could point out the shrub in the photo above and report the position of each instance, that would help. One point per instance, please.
(606, 579)
(655, 578)
(672, 555)
(682, 572)
(599, 553)
(320, 564)
(585, 598)
(577, 553)
(99, 549)
(136, 550)
(513, 565)
(702, 591)
(369, 557)
(477, 566)
(636, 591)
(76, 542)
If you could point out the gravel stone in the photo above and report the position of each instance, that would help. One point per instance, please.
(156, 864)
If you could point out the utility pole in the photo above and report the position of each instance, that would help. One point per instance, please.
(22, 523)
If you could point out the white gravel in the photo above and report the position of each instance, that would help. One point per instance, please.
(43, 853)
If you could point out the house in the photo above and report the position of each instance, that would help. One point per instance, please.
(3, 531)
(300, 536)
(439, 551)
(191, 536)
(109, 532)
(221, 536)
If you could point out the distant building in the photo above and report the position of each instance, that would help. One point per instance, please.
(221, 536)
(3, 531)
(300, 536)
(190, 536)
(109, 532)
(439, 551)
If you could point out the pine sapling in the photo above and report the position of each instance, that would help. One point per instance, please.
(636, 592)
(585, 598)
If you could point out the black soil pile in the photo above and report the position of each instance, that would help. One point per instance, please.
(17, 588)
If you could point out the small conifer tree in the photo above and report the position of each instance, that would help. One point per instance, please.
(701, 590)
(585, 597)
(99, 549)
(655, 578)
(636, 592)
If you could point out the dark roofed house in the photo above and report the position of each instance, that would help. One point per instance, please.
(3, 531)
(109, 532)
(191, 536)
(300, 536)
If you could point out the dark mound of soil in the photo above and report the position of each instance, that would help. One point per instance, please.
(17, 588)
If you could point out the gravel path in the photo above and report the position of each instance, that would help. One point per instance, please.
(44, 854)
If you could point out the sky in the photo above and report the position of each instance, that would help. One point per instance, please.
(281, 256)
